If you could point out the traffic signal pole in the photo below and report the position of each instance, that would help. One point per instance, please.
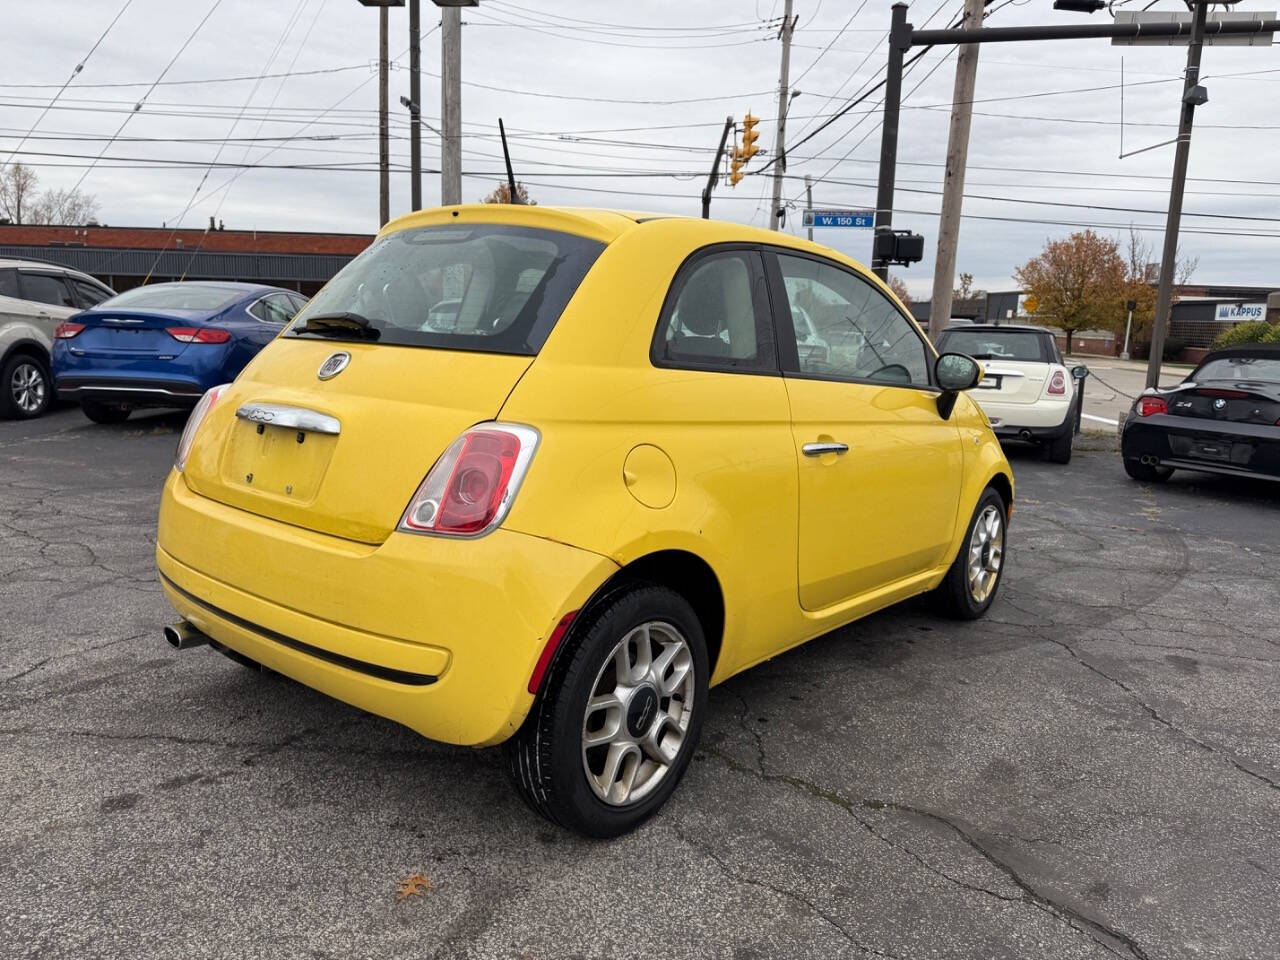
(902, 37)
(384, 147)
(415, 99)
(1164, 290)
(715, 169)
(899, 42)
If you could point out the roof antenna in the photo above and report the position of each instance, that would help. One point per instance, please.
(506, 155)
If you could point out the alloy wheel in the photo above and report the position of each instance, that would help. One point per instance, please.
(637, 717)
(986, 553)
(27, 386)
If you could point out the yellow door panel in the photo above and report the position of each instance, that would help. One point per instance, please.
(883, 510)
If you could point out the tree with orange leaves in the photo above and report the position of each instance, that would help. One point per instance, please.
(1079, 283)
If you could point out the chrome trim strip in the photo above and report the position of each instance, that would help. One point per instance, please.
(167, 393)
(819, 449)
(294, 418)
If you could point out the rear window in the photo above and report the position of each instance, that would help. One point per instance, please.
(997, 344)
(1265, 369)
(176, 296)
(484, 288)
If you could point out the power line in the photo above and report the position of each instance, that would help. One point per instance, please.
(74, 73)
(813, 63)
(143, 99)
(204, 81)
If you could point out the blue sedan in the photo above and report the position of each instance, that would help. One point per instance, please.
(165, 344)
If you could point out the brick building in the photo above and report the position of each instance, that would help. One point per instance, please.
(122, 257)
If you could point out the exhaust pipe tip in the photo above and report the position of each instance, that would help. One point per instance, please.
(183, 636)
(1150, 461)
(1024, 435)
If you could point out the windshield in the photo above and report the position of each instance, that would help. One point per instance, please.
(1240, 368)
(996, 344)
(487, 288)
(176, 296)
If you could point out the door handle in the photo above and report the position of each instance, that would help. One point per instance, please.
(818, 449)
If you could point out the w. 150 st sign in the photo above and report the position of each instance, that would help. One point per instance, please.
(839, 218)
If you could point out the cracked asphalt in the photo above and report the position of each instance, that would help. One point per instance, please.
(1090, 772)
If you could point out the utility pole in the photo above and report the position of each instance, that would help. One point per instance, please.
(450, 104)
(808, 201)
(899, 40)
(944, 267)
(779, 147)
(384, 146)
(415, 106)
(1168, 259)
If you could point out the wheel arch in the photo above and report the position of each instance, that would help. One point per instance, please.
(682, 572)
(31, 347)
(1003, 486)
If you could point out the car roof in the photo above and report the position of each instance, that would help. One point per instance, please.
(11, 263)
(1269, 350)
(605, 225)
(231, 286)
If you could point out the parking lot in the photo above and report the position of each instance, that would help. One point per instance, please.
(1091, 771)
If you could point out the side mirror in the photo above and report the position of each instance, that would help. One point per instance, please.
(953, 373)
(1080, 372)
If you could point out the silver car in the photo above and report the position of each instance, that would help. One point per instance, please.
(34, 298)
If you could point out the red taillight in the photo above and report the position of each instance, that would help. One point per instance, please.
(1149, 406)
(1213, 392)
(65, 331)
(193, 424)
(199, 334)
(549, 651)
(1058, 383)
(470, 489)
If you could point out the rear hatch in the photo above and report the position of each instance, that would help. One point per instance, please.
(133, 334)
(397, 409)
(1012, 381)
(420, 337)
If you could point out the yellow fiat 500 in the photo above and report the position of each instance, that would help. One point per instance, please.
(542, 477)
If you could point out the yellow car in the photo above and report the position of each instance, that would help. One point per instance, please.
(542, 477)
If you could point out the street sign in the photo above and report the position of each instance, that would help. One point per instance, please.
(839, 218)
(1210, 40)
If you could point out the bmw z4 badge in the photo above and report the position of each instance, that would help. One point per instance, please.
(333, 365)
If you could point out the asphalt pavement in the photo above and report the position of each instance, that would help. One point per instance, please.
(1113, 385)
(1093, 771)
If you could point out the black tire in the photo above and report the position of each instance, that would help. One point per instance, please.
(547, 759)
(26, 389)
(1145, 472)
(1059, 450)
(954, 597)
(104, 412)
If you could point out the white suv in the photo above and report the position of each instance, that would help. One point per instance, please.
(34, 298)
(1027, 392)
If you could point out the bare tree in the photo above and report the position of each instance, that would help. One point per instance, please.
(20, 203)
(64, 207)
(17, 192)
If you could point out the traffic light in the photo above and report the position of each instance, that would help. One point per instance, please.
(749, 137)
(735, 171)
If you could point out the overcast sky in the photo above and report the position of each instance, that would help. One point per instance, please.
(586, 91)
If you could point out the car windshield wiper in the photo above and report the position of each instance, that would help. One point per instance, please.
(339, 324)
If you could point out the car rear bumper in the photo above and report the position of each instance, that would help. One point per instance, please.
(131, 391)
(1040, 421)
(437, 634)
(1190, 443)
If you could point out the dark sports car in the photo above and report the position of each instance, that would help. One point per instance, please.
(1224, 418)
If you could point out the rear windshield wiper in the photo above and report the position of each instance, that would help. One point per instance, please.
(339, 324)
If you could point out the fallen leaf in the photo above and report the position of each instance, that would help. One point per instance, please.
(414, 885)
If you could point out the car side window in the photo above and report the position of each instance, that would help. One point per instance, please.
(276, 308)
(9, 284)
(717, 316)
(88, 294)
(46, 288)
(846, 329)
